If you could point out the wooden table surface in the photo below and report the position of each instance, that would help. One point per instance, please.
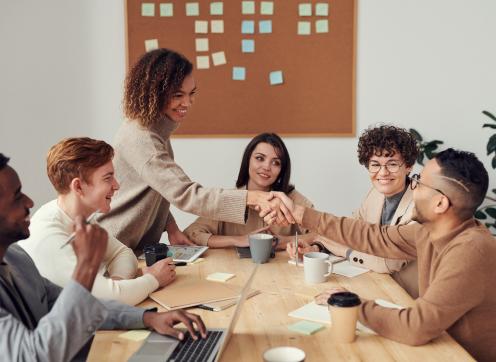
(264, 318)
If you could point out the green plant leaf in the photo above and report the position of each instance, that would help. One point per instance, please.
(491, 144)
(493, 190)
(420, 159)
(415, 134)
(491, 211)
(489, 125)
(489, 114)
(493, 164)
(480, 215)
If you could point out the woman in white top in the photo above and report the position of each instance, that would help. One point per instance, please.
(81, 171)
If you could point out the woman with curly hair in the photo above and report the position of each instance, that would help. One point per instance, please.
(388, 153)
(159, 91)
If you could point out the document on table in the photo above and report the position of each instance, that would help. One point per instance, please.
(346, 269)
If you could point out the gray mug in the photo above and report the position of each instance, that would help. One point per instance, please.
(260, 247)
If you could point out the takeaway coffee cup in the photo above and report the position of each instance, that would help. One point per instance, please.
(260, 247)
(284, 354)
(317, 267)
(343, 308)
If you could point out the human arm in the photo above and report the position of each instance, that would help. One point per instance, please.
(175, 235)
(120, 261)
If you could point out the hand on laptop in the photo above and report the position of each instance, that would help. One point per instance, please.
(164, 323)
(163, 270)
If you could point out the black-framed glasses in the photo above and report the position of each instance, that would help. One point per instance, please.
(390, 166)
(415, 181)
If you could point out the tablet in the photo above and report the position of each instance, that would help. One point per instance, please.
(183, 253)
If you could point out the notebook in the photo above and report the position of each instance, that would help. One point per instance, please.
(224, 304)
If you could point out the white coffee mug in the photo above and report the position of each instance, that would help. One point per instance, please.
(317, 267)
(284, 354)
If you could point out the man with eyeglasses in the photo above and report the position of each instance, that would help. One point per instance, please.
(455, 255)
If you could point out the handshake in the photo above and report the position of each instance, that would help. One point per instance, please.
(275, 207)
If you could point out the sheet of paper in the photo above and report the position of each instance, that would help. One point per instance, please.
(201, 26)
(248, 27)
(248, 46)
(192, 9)
(201, 44)
(276, 77)
(265, 26)
(306, 327)
(135, 335)
(248, 7)
(147, 9)
(239, 73)
(304, 28)
(166, 9)
(151, 44)
(217, 26)
(202, 62)
(322, 9)
(267, 8)
(220, 277)
(346, 269)
(322, 26)
(219, 58)
(216, 8)
(305, 9)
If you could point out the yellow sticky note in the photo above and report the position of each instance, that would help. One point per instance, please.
(147, 9)
(199, 260)
(166, 9)
(219, 58)
(322, 26)
(201, 44)
(202, 62)
(217, 26)
(136, 336)
(220, 277)
(151, 44)
(201, 26)
(267, 8)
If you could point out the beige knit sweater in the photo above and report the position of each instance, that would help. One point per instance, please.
(150, 181)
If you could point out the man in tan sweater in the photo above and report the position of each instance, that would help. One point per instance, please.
(455, 257)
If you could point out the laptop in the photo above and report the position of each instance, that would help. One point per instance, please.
(163, 348)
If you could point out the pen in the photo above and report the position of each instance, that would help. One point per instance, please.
(202, 306)
(296, 247)
(89, 220)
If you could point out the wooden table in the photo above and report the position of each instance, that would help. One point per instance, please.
(264, 318)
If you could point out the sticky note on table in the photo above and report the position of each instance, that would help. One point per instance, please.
(267, 8)
(220, 277)
(202, 62)
(322, 9)
(248, 27)
(305, 9)
(201, 44)
(248, 7)
(151, 44)
(306, 327)
(239, 73)
(136, 336)
(265, 26)
(322, 26)
(198, 260)
(216, 8)
(248, 46)
(304, 28)
(147, 9)
(166, 9)
(276, 77)
(217, 26)
(201, 26)
(219, 58)
(192, 9)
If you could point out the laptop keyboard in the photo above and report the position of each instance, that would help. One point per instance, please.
(190, 350)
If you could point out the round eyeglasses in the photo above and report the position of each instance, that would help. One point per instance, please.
(391, 166)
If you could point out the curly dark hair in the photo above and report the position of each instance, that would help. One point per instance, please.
(151, 82)
(386, 140)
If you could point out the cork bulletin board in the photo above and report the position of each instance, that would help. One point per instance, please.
(285, 66)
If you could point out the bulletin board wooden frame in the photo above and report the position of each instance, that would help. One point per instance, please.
(317, 97)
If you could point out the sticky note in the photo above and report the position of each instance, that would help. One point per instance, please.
(202, 62)
(322, 9)
(147, 9)
(265, 26)
(306, 327)
(248, 7)
(304, 28)
(276, 77)
(201, 44)
(151, 44)
(201, 26)
(267, 8)
(192, 9)
(219, 58)
(239, 73)
(248, 46)
(198, 260)
(248, 27)
(217, 26)
(166, 9)
(216, 8)
(220, 277)
(136, 336)
(322, 26)
(305, 9)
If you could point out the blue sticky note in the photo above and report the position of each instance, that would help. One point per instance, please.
(239, 73)
(248, 27)
(248, 46)
(306, 327)
(276, 77)
(216, 8)
(265, 26)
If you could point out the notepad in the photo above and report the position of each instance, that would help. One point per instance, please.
(306, 327)
(136, 336)
(220, 277)
(346, 269)
(218, 306)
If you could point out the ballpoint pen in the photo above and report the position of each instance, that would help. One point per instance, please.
(296, 247)
(89, 220)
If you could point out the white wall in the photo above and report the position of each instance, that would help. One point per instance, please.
(424, 64)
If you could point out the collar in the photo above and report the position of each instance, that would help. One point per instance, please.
(165, 126)
(440, 243)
